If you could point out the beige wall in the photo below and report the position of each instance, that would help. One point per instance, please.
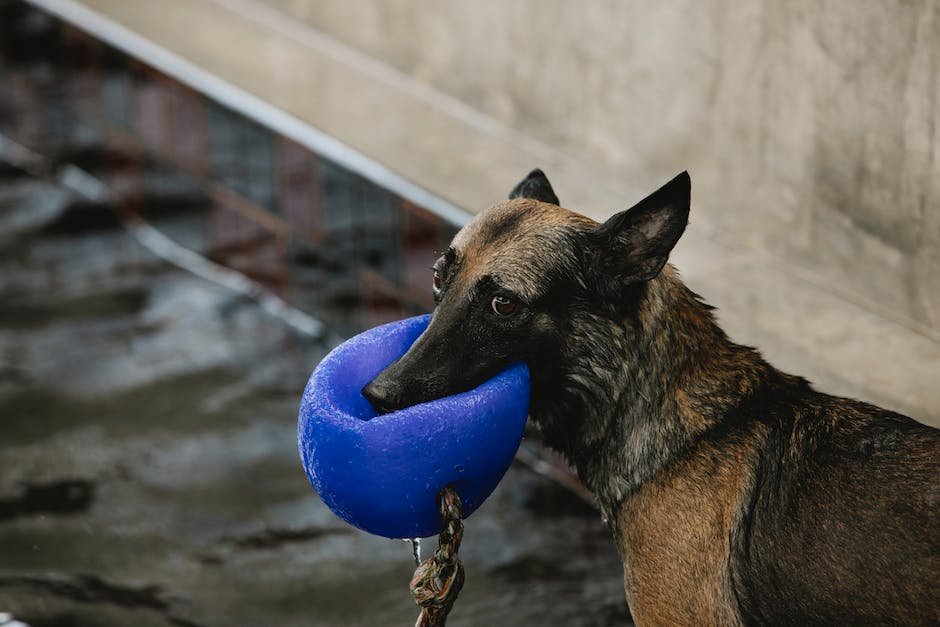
(812, 129)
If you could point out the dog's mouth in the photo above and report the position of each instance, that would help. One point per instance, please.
(386, 394)
(387, 397)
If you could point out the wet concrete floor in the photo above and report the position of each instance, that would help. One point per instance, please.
(148, 465)
(150, 473)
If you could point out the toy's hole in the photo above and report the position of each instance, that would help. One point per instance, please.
(359, 407)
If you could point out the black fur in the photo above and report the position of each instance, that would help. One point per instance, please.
(535, 186)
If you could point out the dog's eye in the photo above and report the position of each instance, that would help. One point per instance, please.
(437, 282)
(503, 305)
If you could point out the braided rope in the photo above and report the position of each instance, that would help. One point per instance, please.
(437, 580)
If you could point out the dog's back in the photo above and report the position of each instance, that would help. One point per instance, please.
(800, 508)
(842, 526)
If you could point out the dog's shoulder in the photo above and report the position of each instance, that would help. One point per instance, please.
(690, 509)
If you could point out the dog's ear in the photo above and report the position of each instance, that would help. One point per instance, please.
(535, 186)
(634, 244)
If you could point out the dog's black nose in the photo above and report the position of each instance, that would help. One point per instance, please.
(384, 396)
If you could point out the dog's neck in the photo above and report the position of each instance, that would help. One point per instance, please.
(638, 391)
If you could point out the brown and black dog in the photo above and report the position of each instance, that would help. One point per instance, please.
(737, 494)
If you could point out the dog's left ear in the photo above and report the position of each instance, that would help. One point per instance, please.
(535, 186)
(634, 244)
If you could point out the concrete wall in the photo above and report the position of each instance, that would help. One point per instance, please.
(811, 129)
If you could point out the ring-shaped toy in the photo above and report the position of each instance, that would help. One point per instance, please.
(383, 473)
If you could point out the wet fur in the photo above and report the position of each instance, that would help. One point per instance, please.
(736, 493)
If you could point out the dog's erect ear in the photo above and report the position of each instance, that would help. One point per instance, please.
(535, 186)
(634, 244)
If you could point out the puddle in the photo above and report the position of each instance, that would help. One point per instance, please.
(68, 496)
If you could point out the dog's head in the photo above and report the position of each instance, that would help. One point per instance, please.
(516, 281)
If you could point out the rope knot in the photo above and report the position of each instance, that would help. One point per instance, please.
(437, 580)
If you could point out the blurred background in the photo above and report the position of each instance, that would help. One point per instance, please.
(199, 198)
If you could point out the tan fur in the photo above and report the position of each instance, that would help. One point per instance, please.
(674, 535)
(695, 422)
(518, 258)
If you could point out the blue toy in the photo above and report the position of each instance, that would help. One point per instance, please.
(383, 473)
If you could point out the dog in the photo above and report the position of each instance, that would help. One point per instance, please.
(736, 493)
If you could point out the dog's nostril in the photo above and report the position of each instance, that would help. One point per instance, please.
(383, 397)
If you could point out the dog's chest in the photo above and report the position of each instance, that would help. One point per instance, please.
(673, 536)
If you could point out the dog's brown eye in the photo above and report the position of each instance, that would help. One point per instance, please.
(437, 281)
(503, 305)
